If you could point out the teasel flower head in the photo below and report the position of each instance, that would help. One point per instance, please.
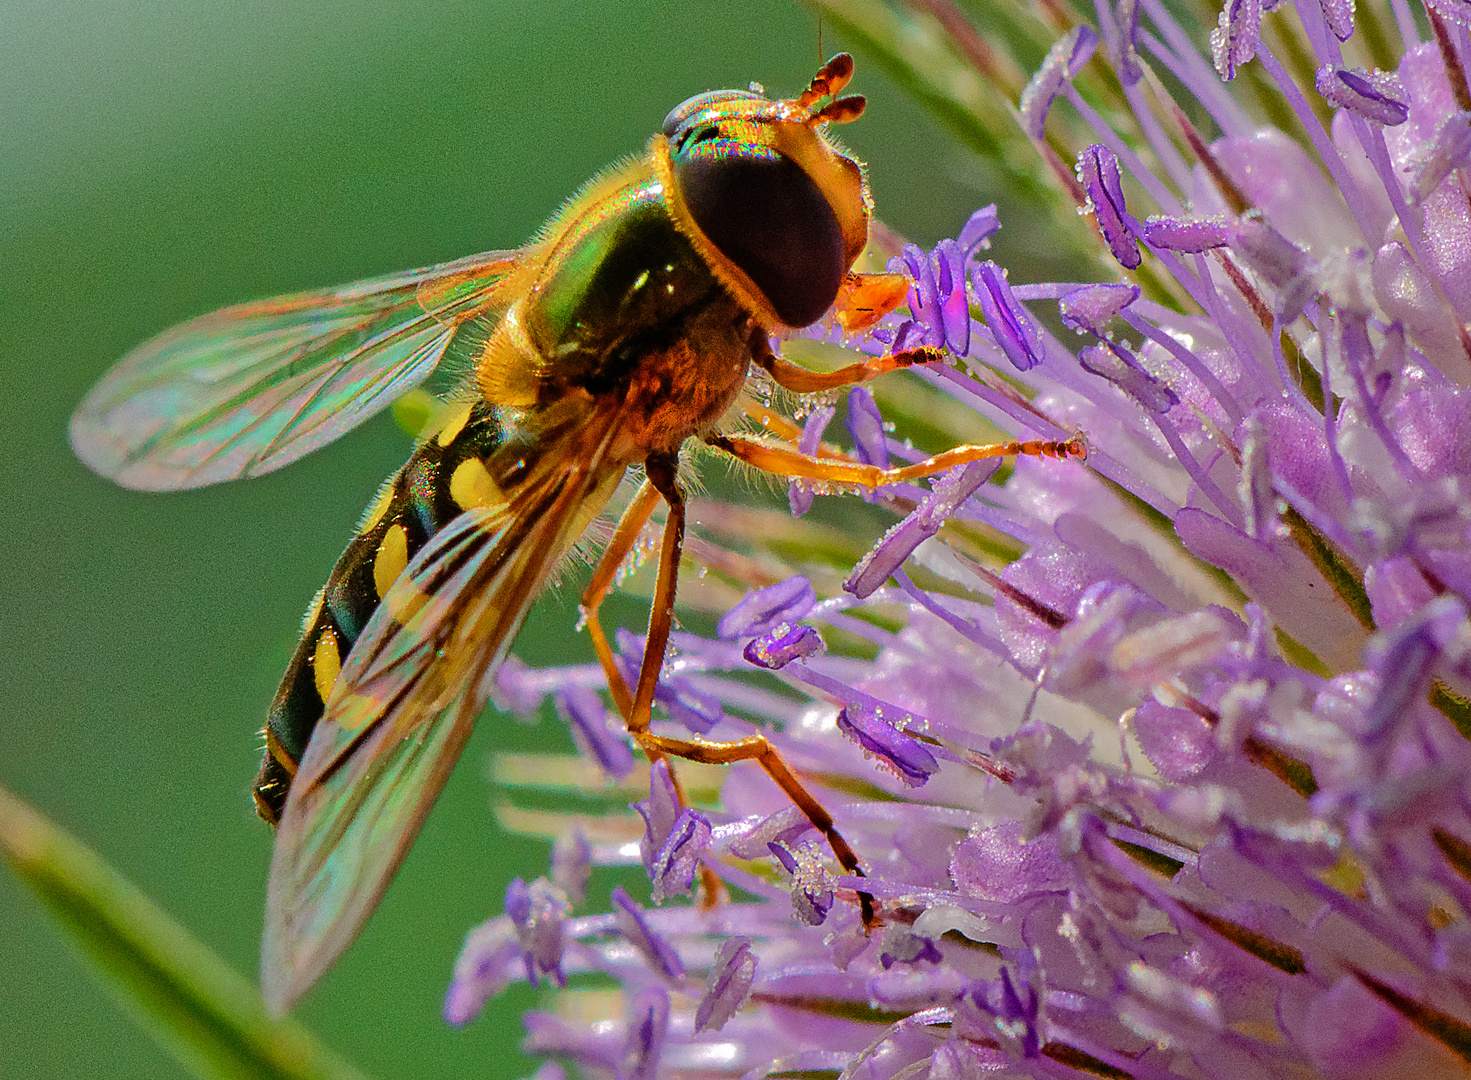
(1156, 763)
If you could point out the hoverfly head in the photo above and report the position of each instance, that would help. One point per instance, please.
(778, 210)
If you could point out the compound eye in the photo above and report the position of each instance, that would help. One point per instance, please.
(707, 104)
(767, 216)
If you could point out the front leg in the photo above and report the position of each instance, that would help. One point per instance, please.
(800, 380)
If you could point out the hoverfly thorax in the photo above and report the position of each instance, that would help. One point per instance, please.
(779, 212)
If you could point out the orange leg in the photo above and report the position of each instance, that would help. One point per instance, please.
(784, 461)
(661, 472)
(756, 747)
(635, 516)
(625, 536)
(800, 380)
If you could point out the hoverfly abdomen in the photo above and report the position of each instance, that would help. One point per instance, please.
(446, 474)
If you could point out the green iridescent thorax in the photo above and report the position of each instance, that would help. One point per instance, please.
(624, 284)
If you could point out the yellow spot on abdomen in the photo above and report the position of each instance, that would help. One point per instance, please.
(472, 486)
(326, 663)
(452, 429)
(392, 557)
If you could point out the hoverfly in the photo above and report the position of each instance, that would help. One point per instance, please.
(626, 327)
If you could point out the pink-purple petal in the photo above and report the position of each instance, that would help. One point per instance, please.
(1186, 236)
(728, 985)
(1091, 307)
(1376, 98)
(1098, 172)
(1122, 368)
(588, 718)
(778, 647)
(900, 541)
(633, 925)
(1061, 65)
(1009, 322)
(896, 750)
(763, 609)
(1234, 40)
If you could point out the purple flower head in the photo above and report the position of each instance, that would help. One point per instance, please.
(1015, 332)
(1098, 172)
(783, 644)
(1235, 38)
(648, 1028)
(895, 750)
(765, 609)
(1091, 307)
(538, 912)
(1202, 698)
(1339, 15)
(728, 985)
(812, 891)
(674, 837)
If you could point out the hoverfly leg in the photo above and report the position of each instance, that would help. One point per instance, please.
(757, 748)
(784, 461)
(801, 380)
(624, 538)
(662, 481)
(661, 472)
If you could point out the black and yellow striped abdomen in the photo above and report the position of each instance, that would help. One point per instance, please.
(447, 473)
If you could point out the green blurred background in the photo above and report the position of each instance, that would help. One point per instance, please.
(159, 158)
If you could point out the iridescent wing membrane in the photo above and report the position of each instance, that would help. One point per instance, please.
(249, 388)
(404, 704)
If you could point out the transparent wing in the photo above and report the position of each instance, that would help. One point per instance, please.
(398, 717)
(250, 388)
